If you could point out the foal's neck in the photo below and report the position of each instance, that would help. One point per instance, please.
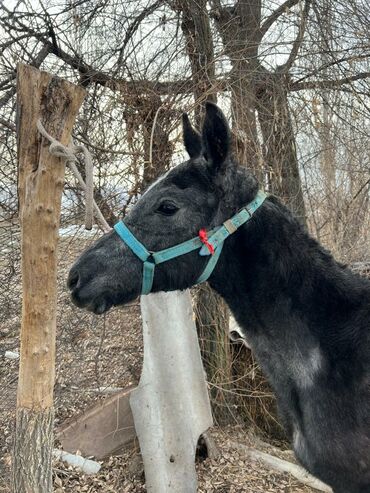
(280, 283)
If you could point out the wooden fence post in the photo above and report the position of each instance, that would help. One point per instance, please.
(41, 178)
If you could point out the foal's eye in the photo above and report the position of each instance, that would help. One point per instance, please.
(167, 208)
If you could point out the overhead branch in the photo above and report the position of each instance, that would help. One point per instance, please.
(10, 42)
(333, 63)
(283, 9)
(327, 84)
(90, 75)
(135, 25)
(36, 62)
(298, 41)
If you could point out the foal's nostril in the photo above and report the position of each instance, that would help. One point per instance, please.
(73, 279)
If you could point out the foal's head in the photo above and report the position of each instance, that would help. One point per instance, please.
(199, 193)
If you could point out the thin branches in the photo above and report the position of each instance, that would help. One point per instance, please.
(7, 124)
(298, 41)
(328, 84)
(271, 19)
(135, 25)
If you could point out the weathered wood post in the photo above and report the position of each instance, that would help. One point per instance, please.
(41, 178)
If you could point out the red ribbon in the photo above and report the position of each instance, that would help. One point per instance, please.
(204, 239)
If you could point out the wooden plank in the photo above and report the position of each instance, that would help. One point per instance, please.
(104, 429)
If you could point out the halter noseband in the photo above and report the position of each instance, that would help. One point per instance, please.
(217, 236)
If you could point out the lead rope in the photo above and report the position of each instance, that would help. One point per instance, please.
(69, 153)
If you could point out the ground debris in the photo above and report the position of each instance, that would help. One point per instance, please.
(230, 472)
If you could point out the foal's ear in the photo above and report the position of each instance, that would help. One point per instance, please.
(216, 136)
(192, 139)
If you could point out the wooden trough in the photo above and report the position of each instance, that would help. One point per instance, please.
(104, 429)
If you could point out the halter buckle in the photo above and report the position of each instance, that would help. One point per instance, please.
(230, 226)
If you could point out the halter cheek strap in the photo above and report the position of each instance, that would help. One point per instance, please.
(207, 243)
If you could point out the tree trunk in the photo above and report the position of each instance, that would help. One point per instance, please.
(279, 145)
(255, 90)
(325, 129)
(158, 149)
(211, 311)
(41, 179)
(239, 27)
(243, 104)
(32, 472)
(199, 47)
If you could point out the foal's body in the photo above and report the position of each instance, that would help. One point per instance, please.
(307, 320)
(306, 317)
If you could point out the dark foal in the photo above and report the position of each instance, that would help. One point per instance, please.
(306, 317)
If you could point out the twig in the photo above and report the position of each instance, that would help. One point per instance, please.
(283, 466)
(152, 136)
(98, 353)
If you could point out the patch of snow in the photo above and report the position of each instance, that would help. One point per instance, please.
(11, 355)
(78, 230)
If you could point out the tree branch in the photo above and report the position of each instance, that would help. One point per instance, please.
(282, 466)
(11, 41)
(91, 75)
(186, 86)
(327, 84)
(135, 25)
(7, 124)
(298, 41)
(36, 62)
(333, 63)
(275, 15)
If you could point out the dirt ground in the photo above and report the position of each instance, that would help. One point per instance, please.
(95, 352)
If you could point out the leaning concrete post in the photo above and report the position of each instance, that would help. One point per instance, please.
(41, 178)
(171, 408)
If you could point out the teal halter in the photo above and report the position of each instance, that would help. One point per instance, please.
(217, 236)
